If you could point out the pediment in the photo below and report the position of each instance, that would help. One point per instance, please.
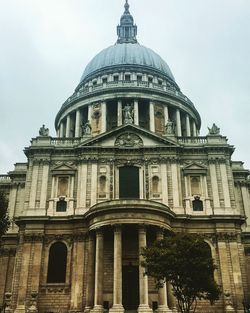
(129, 136)
(63, 168)
(195, 168)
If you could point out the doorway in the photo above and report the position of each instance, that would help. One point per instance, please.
(130, 287)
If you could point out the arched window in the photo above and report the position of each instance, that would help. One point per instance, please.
(197, 204)
(155, 184)
(57, 263)
(61, 206)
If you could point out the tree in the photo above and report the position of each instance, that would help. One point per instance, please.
(185, 261)
(4, 217)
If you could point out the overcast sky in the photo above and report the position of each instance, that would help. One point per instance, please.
(46, 44)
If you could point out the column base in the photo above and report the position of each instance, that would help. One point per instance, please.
(97, 309)
(164, 309)
(87, 309)
(144, 308)
(20, 309)
(117, 308)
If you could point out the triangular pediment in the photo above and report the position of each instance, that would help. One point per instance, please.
(63, 167)
(195, 167)
(129, 136)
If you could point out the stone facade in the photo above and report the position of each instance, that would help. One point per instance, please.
(128, 167)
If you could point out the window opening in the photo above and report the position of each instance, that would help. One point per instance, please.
(57, 263)
(197, 204)
(61, 206)
(129, 182)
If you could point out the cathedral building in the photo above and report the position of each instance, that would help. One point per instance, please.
(128, 167)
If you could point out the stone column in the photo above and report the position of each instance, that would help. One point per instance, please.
(90, 274)
(143, 279)
(194, 129)
(171, 298)
(214, 183)
(178, 122)
(117, 284)
(225, 187)
(136, 113)
(61, 130)
(23, 278)
(166, 115)
(33, 188)
(68, 122)
(162, 292)
(90, 113)
(77, 274)
(36, 262)
(98, 299)
(119, 113)
(78, 122)
(188, 126)
(44, 188)
(151, 117)
(104, 117)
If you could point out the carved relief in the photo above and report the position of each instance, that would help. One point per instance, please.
(129, 140)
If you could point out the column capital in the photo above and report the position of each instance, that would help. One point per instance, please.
(142, 228)
(117, 227)
(99, 231)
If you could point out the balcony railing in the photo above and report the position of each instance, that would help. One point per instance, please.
(170, 90)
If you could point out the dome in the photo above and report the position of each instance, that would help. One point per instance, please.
(127, 54)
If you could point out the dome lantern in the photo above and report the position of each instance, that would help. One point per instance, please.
(127, 30)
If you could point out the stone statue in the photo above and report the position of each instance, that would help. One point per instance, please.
(169, 128)
(214, 130)
(86, 129)
(43, 131)
(128, 114)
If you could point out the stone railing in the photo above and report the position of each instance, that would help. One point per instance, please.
(84, 91)
(4, 179)
(70, 142)
(192, 140)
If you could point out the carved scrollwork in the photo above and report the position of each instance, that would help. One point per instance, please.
(129, 140)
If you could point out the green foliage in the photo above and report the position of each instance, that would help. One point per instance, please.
(185, 261)
(4, 218)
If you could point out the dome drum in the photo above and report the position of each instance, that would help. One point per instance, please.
(149, 112)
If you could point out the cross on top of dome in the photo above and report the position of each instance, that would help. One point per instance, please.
(127, 30)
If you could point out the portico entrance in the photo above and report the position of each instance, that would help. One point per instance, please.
(130, 287)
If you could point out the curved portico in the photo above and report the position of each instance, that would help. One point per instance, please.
(129, 225)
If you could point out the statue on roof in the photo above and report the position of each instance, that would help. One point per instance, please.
(128, 114)
(214, 130)
(43, 131)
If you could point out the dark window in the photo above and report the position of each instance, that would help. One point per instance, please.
(129, 182)
(57, 263)
(150, 79)
(139, 78)
(197, 205)
(127, 77)
(104, 80)
(61, 206)
(116, 78)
